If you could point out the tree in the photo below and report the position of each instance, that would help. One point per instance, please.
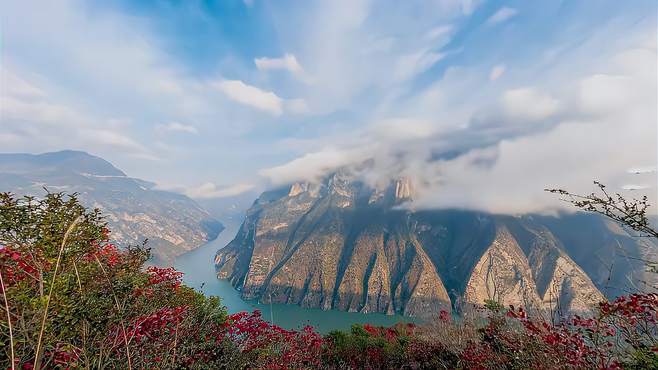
(630, 214)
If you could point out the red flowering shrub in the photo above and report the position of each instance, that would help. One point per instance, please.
(369, 347)
(73, 297)
(481, 356)
(15, 266)
(164, 276)
(272, 347)
(105, 252)
(621, 331)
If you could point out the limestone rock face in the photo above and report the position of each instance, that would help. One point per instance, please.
(503, 274)
(562, 285)
(403, 189)
(342, 245)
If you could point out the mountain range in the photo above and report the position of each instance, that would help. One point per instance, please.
(135, 209)
(340, 244)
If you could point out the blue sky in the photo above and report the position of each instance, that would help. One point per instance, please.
(481, 103)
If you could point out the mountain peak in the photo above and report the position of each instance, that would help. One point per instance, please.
(60, 161)
(171, 222)
(349, 187)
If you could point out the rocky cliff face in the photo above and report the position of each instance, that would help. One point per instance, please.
(343, 245)
(135, 211)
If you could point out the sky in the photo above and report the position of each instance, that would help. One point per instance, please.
(483, 104)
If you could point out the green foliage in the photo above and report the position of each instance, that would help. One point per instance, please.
(369, 347)
(101, 300)
(493, 306)
(643, 359)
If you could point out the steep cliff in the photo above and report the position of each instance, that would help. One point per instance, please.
(343, 245)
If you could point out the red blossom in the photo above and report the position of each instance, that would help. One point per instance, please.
(286, 348)
(164, 276)
(149, 327)
(444, 316)
(14, 266)
(105, 252)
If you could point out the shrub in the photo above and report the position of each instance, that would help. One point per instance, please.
(268, 346)
(368, 347)
(71, 297)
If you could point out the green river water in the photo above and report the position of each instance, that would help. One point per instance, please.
(199, 273)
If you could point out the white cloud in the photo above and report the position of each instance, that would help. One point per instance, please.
(111, 138)
(635, 187)
(39, 111)
(9, 139)
(497, 72)
(177, 127)
(411, 65)
(502, 15)
(312, 166)
(296, 106)
(29, 114)
(642, 170)
(288, 62)
(597, 130)
(252, 96)
(210, 190)
(570, 157)
(529, 104)
(439, 32)
(399, 129)
(257, 98)
(12, 85)
(351, 51)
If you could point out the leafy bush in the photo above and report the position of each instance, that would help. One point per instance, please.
(72, 298)
(264, 345)
(368, 347)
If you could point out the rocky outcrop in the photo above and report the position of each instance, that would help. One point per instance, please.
(503, 274)
(342, 245)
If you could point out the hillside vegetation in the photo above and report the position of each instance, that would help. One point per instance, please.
(71, 299)
(133, 208)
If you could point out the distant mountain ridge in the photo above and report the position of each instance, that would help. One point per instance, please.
(340, 244)
(173, 223)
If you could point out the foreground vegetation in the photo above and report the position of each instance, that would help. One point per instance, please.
(71, 299)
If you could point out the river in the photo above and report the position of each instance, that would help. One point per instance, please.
(199, 273)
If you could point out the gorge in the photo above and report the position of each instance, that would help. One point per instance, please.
(340, 244)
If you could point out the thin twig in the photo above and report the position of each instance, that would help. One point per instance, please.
(116, 303)
(37, 362)
(11, 334)
(77, 275)
(173, 360)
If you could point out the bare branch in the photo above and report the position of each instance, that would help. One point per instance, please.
(630, 214)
